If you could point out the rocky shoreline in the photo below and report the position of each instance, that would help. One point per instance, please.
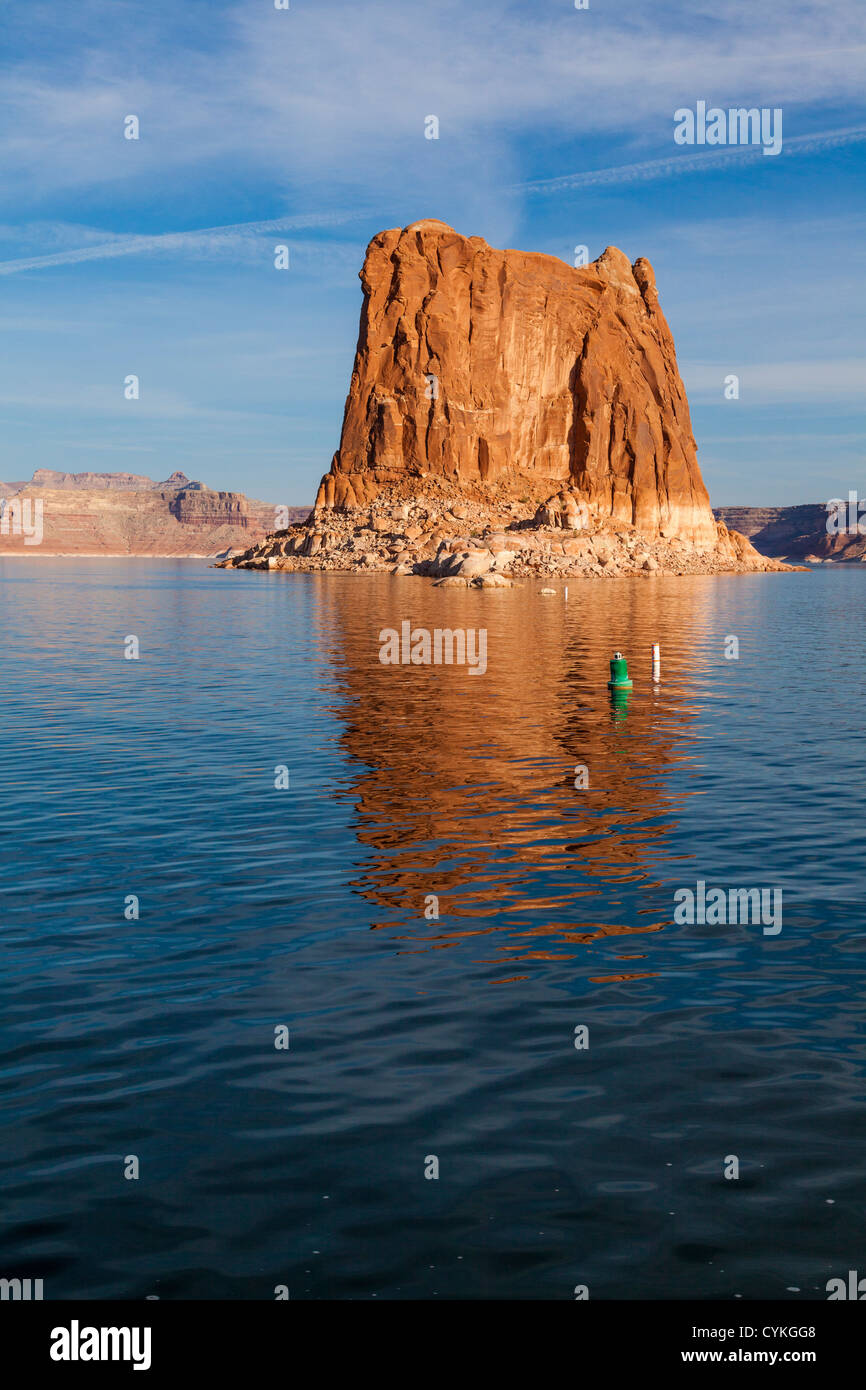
(487, 540)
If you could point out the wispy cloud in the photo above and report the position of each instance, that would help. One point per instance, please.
(221, 239)
(198, 242)
(246, 110)
(672, 166)
(344, 88)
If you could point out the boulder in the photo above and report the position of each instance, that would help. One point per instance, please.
(476, 562)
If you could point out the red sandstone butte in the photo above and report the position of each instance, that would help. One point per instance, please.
(508, 367)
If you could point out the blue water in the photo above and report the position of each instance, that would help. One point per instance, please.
(413, 1038)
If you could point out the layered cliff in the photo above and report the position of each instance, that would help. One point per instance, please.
(60, 513)
(800, 532)
(114, 482)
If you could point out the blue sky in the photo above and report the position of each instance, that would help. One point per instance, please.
(306, 126)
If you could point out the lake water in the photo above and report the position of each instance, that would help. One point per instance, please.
(412, 1038)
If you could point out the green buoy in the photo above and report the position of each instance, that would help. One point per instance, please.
(619, 673)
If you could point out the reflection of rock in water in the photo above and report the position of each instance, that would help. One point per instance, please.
(468, 785)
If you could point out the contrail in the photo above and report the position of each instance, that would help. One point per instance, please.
(673, 165)
(176, 241)
(669, 167)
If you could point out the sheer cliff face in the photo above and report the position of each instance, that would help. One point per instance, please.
(505, 367)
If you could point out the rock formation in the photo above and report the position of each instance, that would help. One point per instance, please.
(534, 396)
(799, 532)
(128, 514)
(115, 482)
(478, 365)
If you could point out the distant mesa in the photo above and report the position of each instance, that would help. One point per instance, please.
(795, 533)
(115, 482)
(496, 392)
(129, 514)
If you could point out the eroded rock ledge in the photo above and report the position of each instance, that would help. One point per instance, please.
(488, 540)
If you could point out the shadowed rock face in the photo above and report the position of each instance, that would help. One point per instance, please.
(503, 367)
(799, 531)
(201, 507)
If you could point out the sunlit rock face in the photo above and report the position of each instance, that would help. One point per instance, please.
(486, 367)
(89, 513)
